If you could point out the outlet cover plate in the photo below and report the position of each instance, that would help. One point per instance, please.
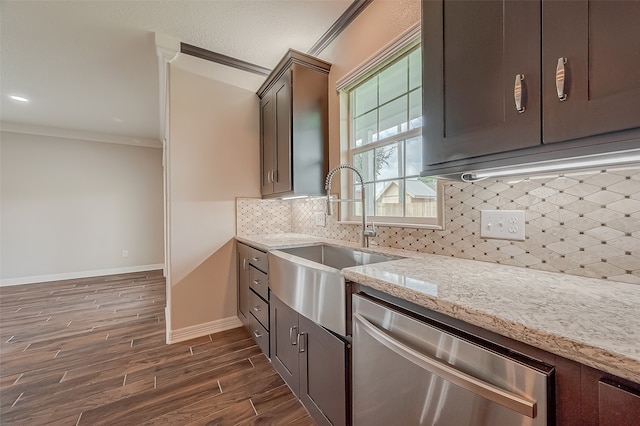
(320, 218)
(502, 224)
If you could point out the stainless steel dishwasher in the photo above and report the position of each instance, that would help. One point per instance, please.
(408, 372)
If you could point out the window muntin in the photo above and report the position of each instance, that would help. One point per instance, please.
(386, 145)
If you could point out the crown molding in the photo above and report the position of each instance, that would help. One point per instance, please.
(338, 26)
(341, 23)
(219, 58)
(167, 47)
(81, 135)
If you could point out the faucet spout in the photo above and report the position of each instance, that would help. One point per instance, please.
(365, 233)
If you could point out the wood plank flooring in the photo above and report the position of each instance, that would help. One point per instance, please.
(92, 351)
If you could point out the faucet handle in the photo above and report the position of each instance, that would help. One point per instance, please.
(371, 232)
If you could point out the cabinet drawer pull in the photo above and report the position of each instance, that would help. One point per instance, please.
(256, 282)
(293, 331)
(255, 259)
(560, 79)
(270, 176)
(302, 347)
(517, 93)
(244, 263)
(257, 334)
(256, 308)
(274, 176)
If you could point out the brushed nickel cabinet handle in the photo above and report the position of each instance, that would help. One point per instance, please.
(244, 263)
(258, 335)
(293, 331)
(256, 308)
(560, 79)
(517, 93)
(255, 259)
(274, 175)
(302, 346)
(257, 282)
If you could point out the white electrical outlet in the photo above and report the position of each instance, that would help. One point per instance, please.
(320, 219)
(125, 253)
(503, 224)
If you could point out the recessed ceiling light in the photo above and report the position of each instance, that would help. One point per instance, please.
(19, 98)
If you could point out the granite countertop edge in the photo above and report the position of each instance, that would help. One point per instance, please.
(603, 357)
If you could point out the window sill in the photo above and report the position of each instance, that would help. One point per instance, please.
(394, 224)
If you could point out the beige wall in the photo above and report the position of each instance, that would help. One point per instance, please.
(213, 158)
(70, 207)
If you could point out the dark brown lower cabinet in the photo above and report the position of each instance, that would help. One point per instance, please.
(284, 342)
(608, 400)
(313, 362)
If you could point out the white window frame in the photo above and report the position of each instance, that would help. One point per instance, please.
(395, 50)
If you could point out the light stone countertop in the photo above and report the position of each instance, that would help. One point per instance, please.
(591, 321)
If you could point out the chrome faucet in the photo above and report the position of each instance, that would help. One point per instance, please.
(366, 233)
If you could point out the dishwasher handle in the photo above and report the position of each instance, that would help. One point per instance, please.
(448, 372)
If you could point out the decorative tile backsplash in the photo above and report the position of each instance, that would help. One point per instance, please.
(257, 216)
(585, 223)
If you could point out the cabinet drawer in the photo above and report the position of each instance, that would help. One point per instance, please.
(258, 259)
(260, 309)
(259, 282)
(254, 257)
(259, 334)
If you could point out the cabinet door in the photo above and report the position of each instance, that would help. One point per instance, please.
(282, 92)
(618, 405)
(323, 374)
(243, 285)
(601, 43)
(284, 342)
(267, 142)
(472, 53)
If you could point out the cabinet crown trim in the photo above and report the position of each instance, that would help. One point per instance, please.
(292, 57)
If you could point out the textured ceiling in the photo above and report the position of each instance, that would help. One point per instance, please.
(91, 65)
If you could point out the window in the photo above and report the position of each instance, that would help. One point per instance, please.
(385, 144)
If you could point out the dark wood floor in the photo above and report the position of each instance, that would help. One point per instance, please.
(92, 351)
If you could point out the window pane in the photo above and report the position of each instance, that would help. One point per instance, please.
(415, 109)
(366, 129)
(393, 81)
(357, 195)
(357, 205)
(420, 197)
(388, 162)
(393, 118)
(389, 198)
(413, 159)
(365, 97)
(384, 109)
(415, 69)
(364, 163)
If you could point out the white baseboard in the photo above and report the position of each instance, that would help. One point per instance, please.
(73, 275)
(199, 330)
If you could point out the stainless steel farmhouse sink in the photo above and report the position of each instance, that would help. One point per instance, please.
(308, 279)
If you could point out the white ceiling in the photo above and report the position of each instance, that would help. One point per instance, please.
(91, 66)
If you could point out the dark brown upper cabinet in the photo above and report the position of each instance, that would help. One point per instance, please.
(471, 58)
(294, 127)
(600, 42)
(504, 80)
